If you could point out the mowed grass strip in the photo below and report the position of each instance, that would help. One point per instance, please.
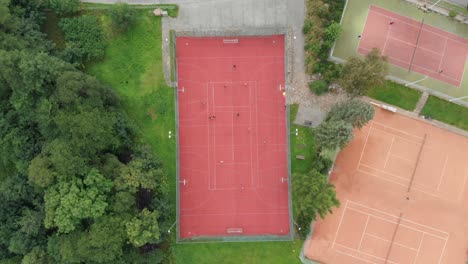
(133, 67)
(447, 112)
(301, 145)
(244, 252)
(396, 94)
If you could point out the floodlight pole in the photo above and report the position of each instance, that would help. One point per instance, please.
(434, 4)
(408, 84)
(169, 230)
(459, 98)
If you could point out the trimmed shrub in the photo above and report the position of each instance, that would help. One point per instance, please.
(64, 6)
(84, 33)
(452, 14)
(319, 87)
(123, 17)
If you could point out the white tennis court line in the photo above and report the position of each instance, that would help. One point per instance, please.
(463, 186)
(404, 185)
(399, 130)
(364, 147)
(419, 248)
(363, 233)
(389, 29)
(418, 66)
(256, 134)
(365, 260)
(424, 29)
(250, 136)
(443, 53)
(414, 45)
(403, 158)
(362, 32)
(423, 233)
(389, 241)
(385, 172)
(214, 137)
(367, 254)
(339, 224)
(406, 220)
(389, 151)
(228, 57)
(443, 172)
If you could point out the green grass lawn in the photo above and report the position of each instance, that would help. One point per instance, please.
(396, 94)
(236, 253)
(303, 145)
(133, 67)
(446, 112)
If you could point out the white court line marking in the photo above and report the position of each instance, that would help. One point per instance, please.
(443, 54)
(396, 243)
(402, 138)
(419, 248)
(364, 147)
(362, 32)
(396, 129)
(463, 187)
(443, 172)
(443, 249)
(209, 152)
(388, 173)
(250, 136)
(417, 66)
(396, 217)
(363, 233)
(406, 186)
(403, 158)
(389, 29)
(234, 57)
(370, 255)
(339, 224)
(389, 151)
(349, 255)
(214, 137)
(256, 134)
(390, 221)
(424, 29)
(418, 47)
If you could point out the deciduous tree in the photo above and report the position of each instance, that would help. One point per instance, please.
(355, 112)
(359, 75)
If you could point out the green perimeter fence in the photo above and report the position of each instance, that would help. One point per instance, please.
(209, 239)
(353, 21)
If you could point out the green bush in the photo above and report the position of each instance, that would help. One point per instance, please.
(319, 87)
(332, 32)
(122, 16)
(314, 196)
(452, 14)
(84, 33)
(355, 112)
(64, 6)
(307, 27)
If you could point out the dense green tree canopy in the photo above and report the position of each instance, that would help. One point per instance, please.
(314, 197)
(355, 112)
(75, 185)
(334, 134)
(359, 75)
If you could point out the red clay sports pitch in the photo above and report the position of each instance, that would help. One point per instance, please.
(233, 176)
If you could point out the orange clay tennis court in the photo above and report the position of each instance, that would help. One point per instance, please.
(415, 46)
(401, 183)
